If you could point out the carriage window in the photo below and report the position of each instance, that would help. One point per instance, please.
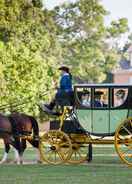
(100, 98)
(84, 97)
(119, 96)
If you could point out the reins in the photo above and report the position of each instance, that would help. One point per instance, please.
(24, 101)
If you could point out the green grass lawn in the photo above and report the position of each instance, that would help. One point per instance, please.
(104, 169)
(65, 174)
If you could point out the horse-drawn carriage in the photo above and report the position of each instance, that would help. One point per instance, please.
(82, 124)
(95, 114)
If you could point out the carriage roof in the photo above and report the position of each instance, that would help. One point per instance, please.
(103, 85)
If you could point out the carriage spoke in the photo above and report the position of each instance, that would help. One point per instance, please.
(78, 154)
(59, 145)
(123, 141)
(125, 151)
(127, 131)
(55, 153)
(131, 123)
(60, 155)
(50, 155)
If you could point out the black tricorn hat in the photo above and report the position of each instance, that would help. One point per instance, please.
(64, 68)
(120, 93)
(98, 93)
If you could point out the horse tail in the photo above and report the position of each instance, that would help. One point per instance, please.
(35, 127)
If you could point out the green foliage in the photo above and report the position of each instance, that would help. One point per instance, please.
(118, 27)
(28, 51)
(35, 41)
(84, 39)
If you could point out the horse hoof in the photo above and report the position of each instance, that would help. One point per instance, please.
(39, 162)
(18, 163)
(14, 162)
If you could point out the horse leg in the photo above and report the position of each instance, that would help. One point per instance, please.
(35, 140)
(17, 157)
(7, 149)
(23, 147)
(35, 144)
(18, 151)
(38, 156)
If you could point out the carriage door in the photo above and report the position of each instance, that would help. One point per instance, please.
(100, 113)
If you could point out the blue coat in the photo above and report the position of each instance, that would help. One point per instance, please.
(65, 83)
(97, 103)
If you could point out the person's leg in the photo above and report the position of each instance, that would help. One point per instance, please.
(51, 105)
(61, 98)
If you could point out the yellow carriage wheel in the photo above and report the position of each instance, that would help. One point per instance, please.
(123, 141)
(79, 154)
(55, 147)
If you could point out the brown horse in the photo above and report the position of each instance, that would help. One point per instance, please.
(13, 128)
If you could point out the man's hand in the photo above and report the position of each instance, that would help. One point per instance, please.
(55, 84)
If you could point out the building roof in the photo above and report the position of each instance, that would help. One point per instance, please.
(125, 64)
(123, 67)
(102, 85)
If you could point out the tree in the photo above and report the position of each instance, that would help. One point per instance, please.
(34, 41)
(29, 52)
(85, 39)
